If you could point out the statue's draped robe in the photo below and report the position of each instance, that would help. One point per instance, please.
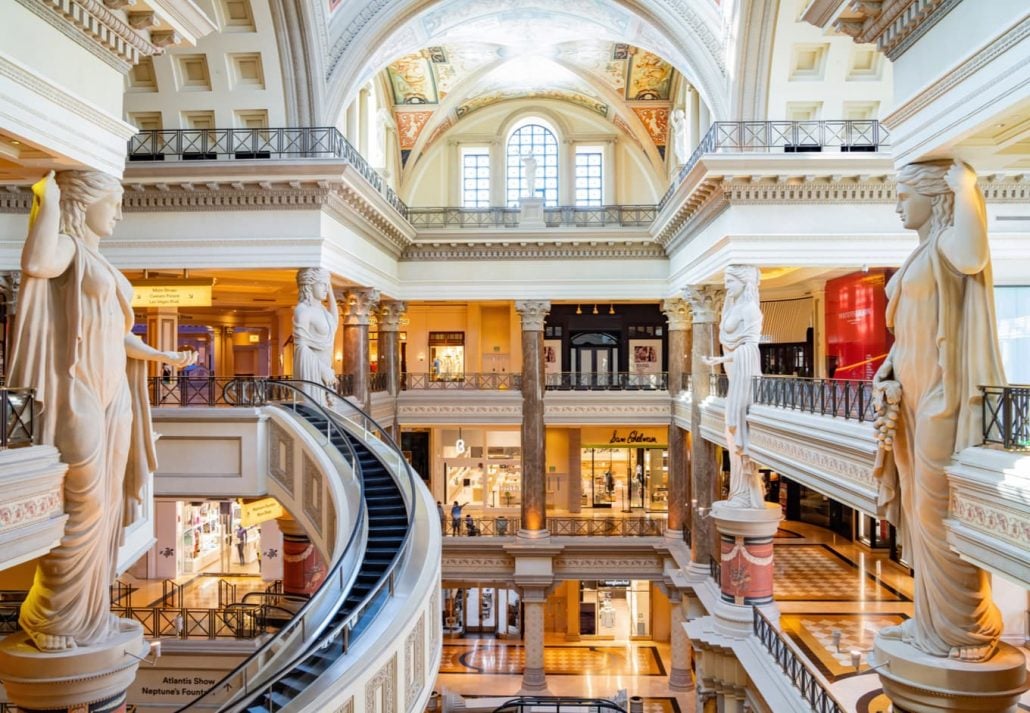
(740, 330)
(69, 345)
(313, 336)
(945, 348)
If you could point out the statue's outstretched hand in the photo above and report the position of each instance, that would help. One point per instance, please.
(711, 360)
(180, 360)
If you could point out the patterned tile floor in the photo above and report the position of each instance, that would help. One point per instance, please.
(500, 657)
(820, 573)
(814, 634)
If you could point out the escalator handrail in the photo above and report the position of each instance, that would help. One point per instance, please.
(520, 702)
(386, 579)
(334, 572)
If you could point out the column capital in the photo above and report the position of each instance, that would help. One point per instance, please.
(677, 311)
(705, 302)
(358, 303)
(390, 313)
(533, 313)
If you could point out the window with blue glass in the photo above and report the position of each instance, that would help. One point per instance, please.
(475, 178)
(539, 142)
(589, 176)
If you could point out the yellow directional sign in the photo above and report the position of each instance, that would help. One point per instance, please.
(172, 293)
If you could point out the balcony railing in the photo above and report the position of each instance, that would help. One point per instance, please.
(243, 621)
(797, 668)
(841, 398)
(718, 384)
(1006, 416)
(783, 136)
(17, 417)
(715, 570)
(378, 381)
(606, 381)
(257, 144)
(623, 216)
(607, 526)
(492, 381)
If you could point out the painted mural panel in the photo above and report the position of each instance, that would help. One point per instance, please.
(656, 121)
(412, 81)
(410, 125)
(650, 77)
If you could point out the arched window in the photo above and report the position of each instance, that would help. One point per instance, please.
(537, 140)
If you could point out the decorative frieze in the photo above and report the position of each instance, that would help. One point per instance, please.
(280, 457)
(382, 689)
(991, 519)
(313, 493)
(535, 250)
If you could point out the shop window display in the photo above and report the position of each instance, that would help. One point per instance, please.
(487, 473)
(618, 609)
(625, 478)
(447, 356)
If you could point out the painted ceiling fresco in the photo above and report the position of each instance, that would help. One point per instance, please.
(438, 86)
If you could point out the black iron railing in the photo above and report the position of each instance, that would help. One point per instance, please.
(17, 417)
(686, 382)
(546, 704)
(607, 526)
(241, 621)
(205, 391)
(466, 382)
(378, 381)
(1006, 416)
(783, 136)
(718, 384)
(794, 664)
(622, 216)
(606, 381)
(715, 570)
(500, 526)
(257, 144)
(841, 398)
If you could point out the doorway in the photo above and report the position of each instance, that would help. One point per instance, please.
(594, 358)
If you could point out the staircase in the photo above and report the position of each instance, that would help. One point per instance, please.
(388, 524)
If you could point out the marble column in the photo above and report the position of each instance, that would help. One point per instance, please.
(533, 601)
(390, 312)
(705, 303)
(679, 677)
(575, 503)
(677, 311)
(303, 566)
(225, 361)
(534, 461)
(163, 334)
(358, 304)
(819, 333)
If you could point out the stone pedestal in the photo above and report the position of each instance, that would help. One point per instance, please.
(84, 679)
(680, 678)
(746, 555)
(919, 683)
(531, 212)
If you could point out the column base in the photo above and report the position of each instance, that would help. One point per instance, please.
(695, 573)
(534, 534)
(534, 680)
(681, 680)
(87, 678)
(674, 534)
(917, 682)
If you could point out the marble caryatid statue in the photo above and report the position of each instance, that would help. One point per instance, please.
(941, 310)
(74, 345)
(314, 328)
(740, 330)
(680, 138)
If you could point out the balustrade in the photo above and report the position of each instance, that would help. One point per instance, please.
(490, 381)
(17, 417)
(606, 381)
(841, 398)
(1006, 416)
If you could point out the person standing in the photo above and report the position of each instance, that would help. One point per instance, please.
(456, 518)
(241, 543)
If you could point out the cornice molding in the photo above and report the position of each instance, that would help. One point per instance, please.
(95, 28)
(535, 250)
(895, 25)
(958, 74)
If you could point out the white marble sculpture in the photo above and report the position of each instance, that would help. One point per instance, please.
(739, 333)
(73, 344)
(680, 138)
(314, 328)
(529, 165)
(941, 310)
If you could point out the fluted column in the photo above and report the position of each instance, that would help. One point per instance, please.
(162, 334)
(679, 677)
(677, 311)
(358, 305)
(534, 492)
(533, 600)
(705, 304)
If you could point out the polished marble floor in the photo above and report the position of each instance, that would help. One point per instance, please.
(478, 656)
(199, 591)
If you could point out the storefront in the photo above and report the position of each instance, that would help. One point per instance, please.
(625, 468)
(615, 609)
(210, 537)
(480, 467)
(482, 610)
(447, 356)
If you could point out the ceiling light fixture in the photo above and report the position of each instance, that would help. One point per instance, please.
(611, 309)
(579, 310)
(595, 309)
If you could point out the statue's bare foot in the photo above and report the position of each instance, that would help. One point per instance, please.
(973, 653)
(51, 642)
(897, 633)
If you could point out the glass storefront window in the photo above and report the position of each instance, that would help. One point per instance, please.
(615, 609)
(625, 478)
(447, 356)
(487, 473)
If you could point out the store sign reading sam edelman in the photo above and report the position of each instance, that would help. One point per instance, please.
(172, 293)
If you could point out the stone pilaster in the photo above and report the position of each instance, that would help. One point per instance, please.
(163, 334)
(679, 677)
(705, 303)
(533, 678)
(225, 357)
(358, 305)
(534, 461)
(677, 311)
(572, 630)
(575, 503)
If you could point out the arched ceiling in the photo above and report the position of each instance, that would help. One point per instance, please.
(435, 88)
